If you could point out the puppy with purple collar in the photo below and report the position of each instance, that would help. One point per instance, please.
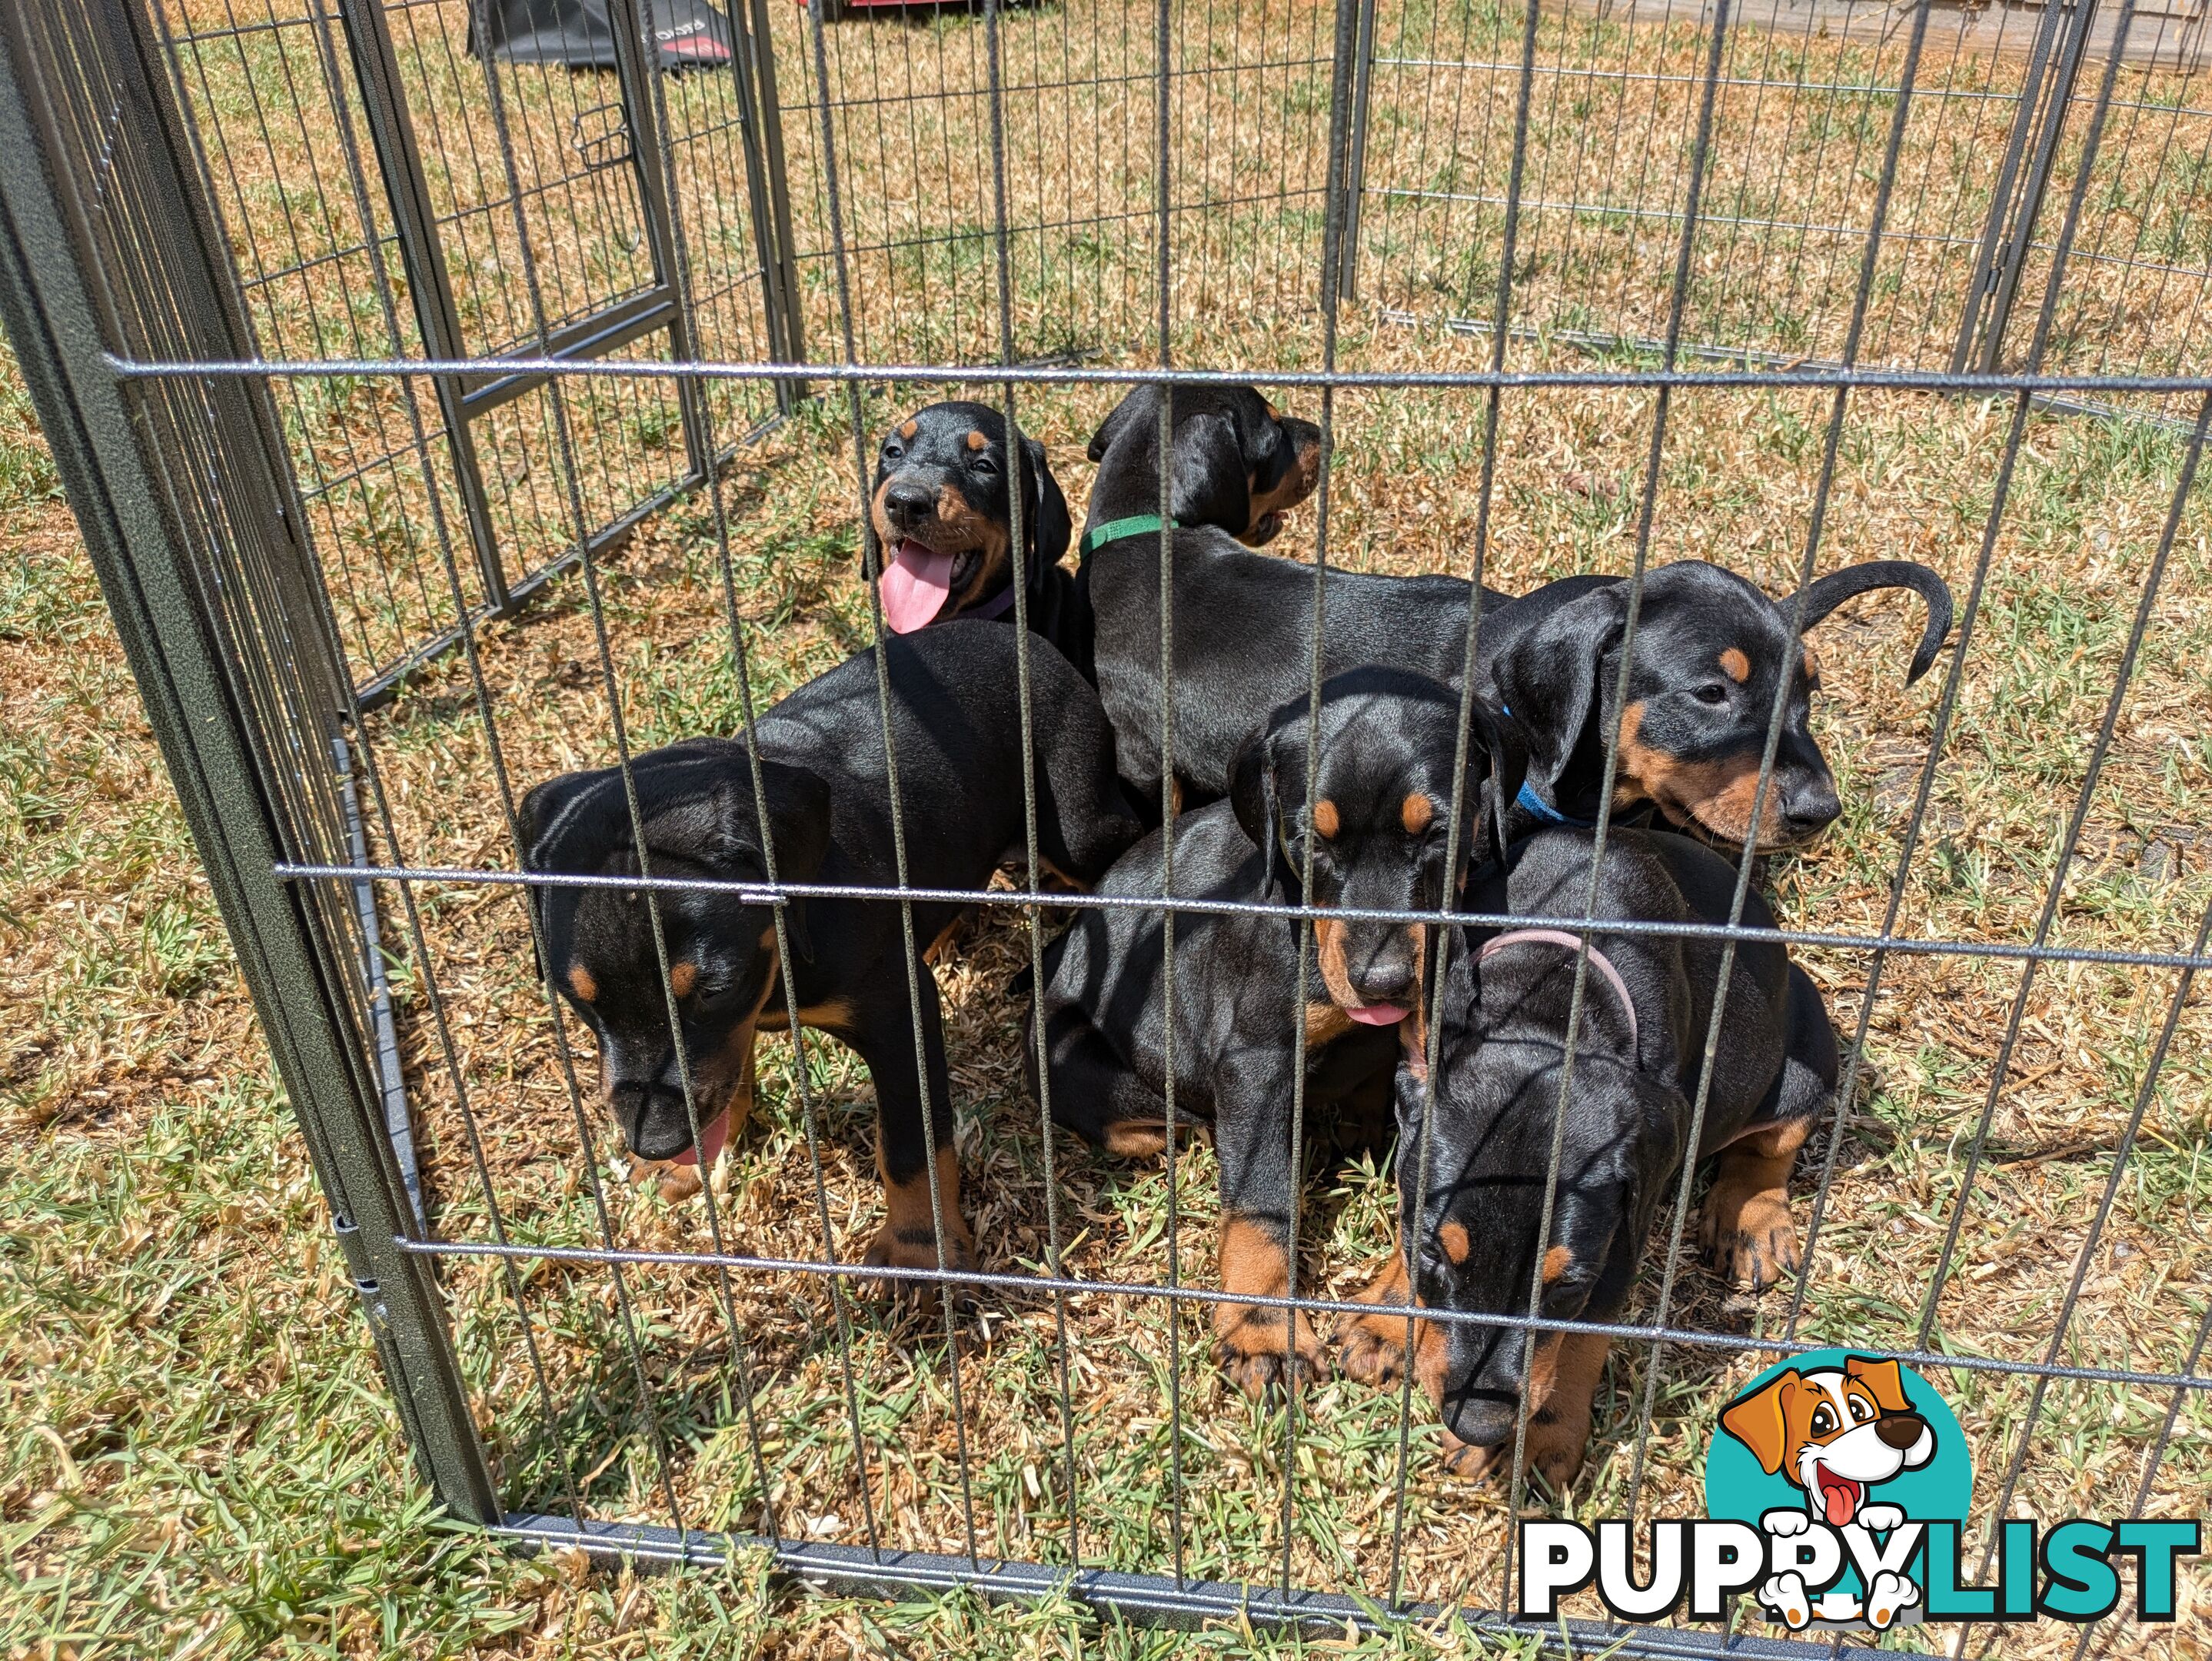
(938, 542)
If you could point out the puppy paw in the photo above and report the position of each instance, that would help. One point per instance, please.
(1259, 1359)
(1748, 1238)
(1553, 1453)
(1372, 1347)
(1133, 1139)
(677, 1182)
(1556, 1449)
(1472, 1463)
(1880, 1518)
(1784, 1521)
(1890, 1595)
(1784, 1597)
(895, 1247)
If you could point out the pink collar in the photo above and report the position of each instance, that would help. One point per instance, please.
(1599, 961)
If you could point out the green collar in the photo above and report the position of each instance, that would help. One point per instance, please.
(1115, 530)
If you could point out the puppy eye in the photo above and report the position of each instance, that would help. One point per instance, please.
(892, 452)
(1861, 1411)
(984, 464)
(1824, 1420)
(1710, 692)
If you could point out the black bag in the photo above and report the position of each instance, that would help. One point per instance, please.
(687, 33)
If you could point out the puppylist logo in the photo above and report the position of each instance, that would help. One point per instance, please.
(1837, 1490)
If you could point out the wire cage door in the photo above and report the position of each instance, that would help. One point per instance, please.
(1568, 291)
(363, 153)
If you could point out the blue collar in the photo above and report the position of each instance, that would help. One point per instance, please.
(1535, 804)
(1544, 810)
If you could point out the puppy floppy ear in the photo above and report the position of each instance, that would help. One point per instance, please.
(1759, 1420)
(798, 829)
(1495, 738)
(572, 824)
(1412, 1105)
(1117, 420)
(545, 806)
(1252, 795)
(1210, 486)
(1411, 1108)
(1548, 679)
(560, 820)
(1047, 523)
(1883, 1378)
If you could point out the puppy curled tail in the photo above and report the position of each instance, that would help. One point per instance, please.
(1826, 594)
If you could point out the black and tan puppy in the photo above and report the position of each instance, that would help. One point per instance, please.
(1710, 650)
(939, 537)
(956, 724)
(1243, 621)
(1473, 1241)
(1378, 837)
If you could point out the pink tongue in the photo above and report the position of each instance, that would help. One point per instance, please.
(712, 1134)
(914, 586)
(1839, 1500)
(1377, 1014)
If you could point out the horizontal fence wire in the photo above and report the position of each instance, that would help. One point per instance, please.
(493, 356)
(779, 894)
(1206, 1295)
(1872, 379)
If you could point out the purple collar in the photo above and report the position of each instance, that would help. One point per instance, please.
(1599, 961)
(997, 608)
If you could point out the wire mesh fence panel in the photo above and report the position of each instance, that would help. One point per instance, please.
(1543, 227)
(2135, 292)
(316, 122)
(267, 99)
(186, 501)
(910, 100)
(1802, 112)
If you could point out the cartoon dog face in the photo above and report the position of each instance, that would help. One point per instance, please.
(1837, 1431)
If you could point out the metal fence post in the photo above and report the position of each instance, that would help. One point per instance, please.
(784, 276)
(1355, 159)
(104, 443)
(429, 284)
(2046, 94)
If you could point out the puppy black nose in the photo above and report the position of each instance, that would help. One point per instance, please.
(652, 1120)
(1899, 1430)
(1387, 977)
(1386, 985)
(1810, 806)
(908, 505)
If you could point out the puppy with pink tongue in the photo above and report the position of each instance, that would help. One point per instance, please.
(915, 587)
(941, 520)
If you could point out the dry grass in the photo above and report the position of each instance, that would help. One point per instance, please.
(1914, 479)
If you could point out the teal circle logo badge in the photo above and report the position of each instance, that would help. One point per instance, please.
(1843, 1462)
